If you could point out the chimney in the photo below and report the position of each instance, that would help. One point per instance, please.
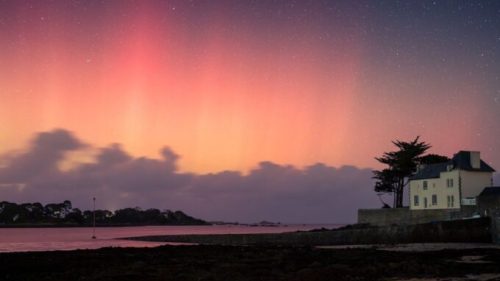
(475, 160)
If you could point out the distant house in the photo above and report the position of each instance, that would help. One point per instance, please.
(451, 184)
(488, 200)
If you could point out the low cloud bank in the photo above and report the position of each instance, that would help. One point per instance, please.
(313, 194)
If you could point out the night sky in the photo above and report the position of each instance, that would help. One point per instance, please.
(226, 85)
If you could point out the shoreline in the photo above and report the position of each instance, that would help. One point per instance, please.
(460, 231)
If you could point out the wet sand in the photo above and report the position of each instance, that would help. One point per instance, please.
(211, 262)
(417, 247)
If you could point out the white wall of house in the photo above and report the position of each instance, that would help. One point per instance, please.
(448, 190)
(440, 193)
(474, 182)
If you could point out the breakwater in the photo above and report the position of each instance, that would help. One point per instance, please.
(399, 216)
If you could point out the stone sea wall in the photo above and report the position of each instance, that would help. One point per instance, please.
(495, 226)
(405, 216)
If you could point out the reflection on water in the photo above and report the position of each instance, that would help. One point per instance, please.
(49, 239)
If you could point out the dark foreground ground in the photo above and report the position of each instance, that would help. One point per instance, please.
(248, 263)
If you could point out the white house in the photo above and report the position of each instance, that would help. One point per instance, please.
(451, 184)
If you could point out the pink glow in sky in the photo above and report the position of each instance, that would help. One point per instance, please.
(229, 84)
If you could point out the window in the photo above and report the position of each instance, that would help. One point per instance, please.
(415, 200)
(425, 185)
(451, 201)
(449, 182)
(434, 199)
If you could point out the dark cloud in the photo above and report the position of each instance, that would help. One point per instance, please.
(46, 151)
(317, 193)
(314, 194)
(109, 156)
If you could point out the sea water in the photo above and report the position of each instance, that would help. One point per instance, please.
(72, 238)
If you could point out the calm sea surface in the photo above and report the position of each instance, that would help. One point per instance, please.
(50, 239)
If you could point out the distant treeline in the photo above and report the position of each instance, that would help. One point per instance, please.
(64, 214)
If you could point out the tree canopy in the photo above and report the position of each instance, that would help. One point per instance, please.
(65, 214)
(433, 159)
(401, 165)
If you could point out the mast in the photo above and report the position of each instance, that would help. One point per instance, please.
(93, 222)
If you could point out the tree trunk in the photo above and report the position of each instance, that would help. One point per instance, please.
(400, 198)
(399, 194)
(394, 199)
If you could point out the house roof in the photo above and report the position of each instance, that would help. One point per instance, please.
(490, 191)
(461, 161)
(430, 171)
